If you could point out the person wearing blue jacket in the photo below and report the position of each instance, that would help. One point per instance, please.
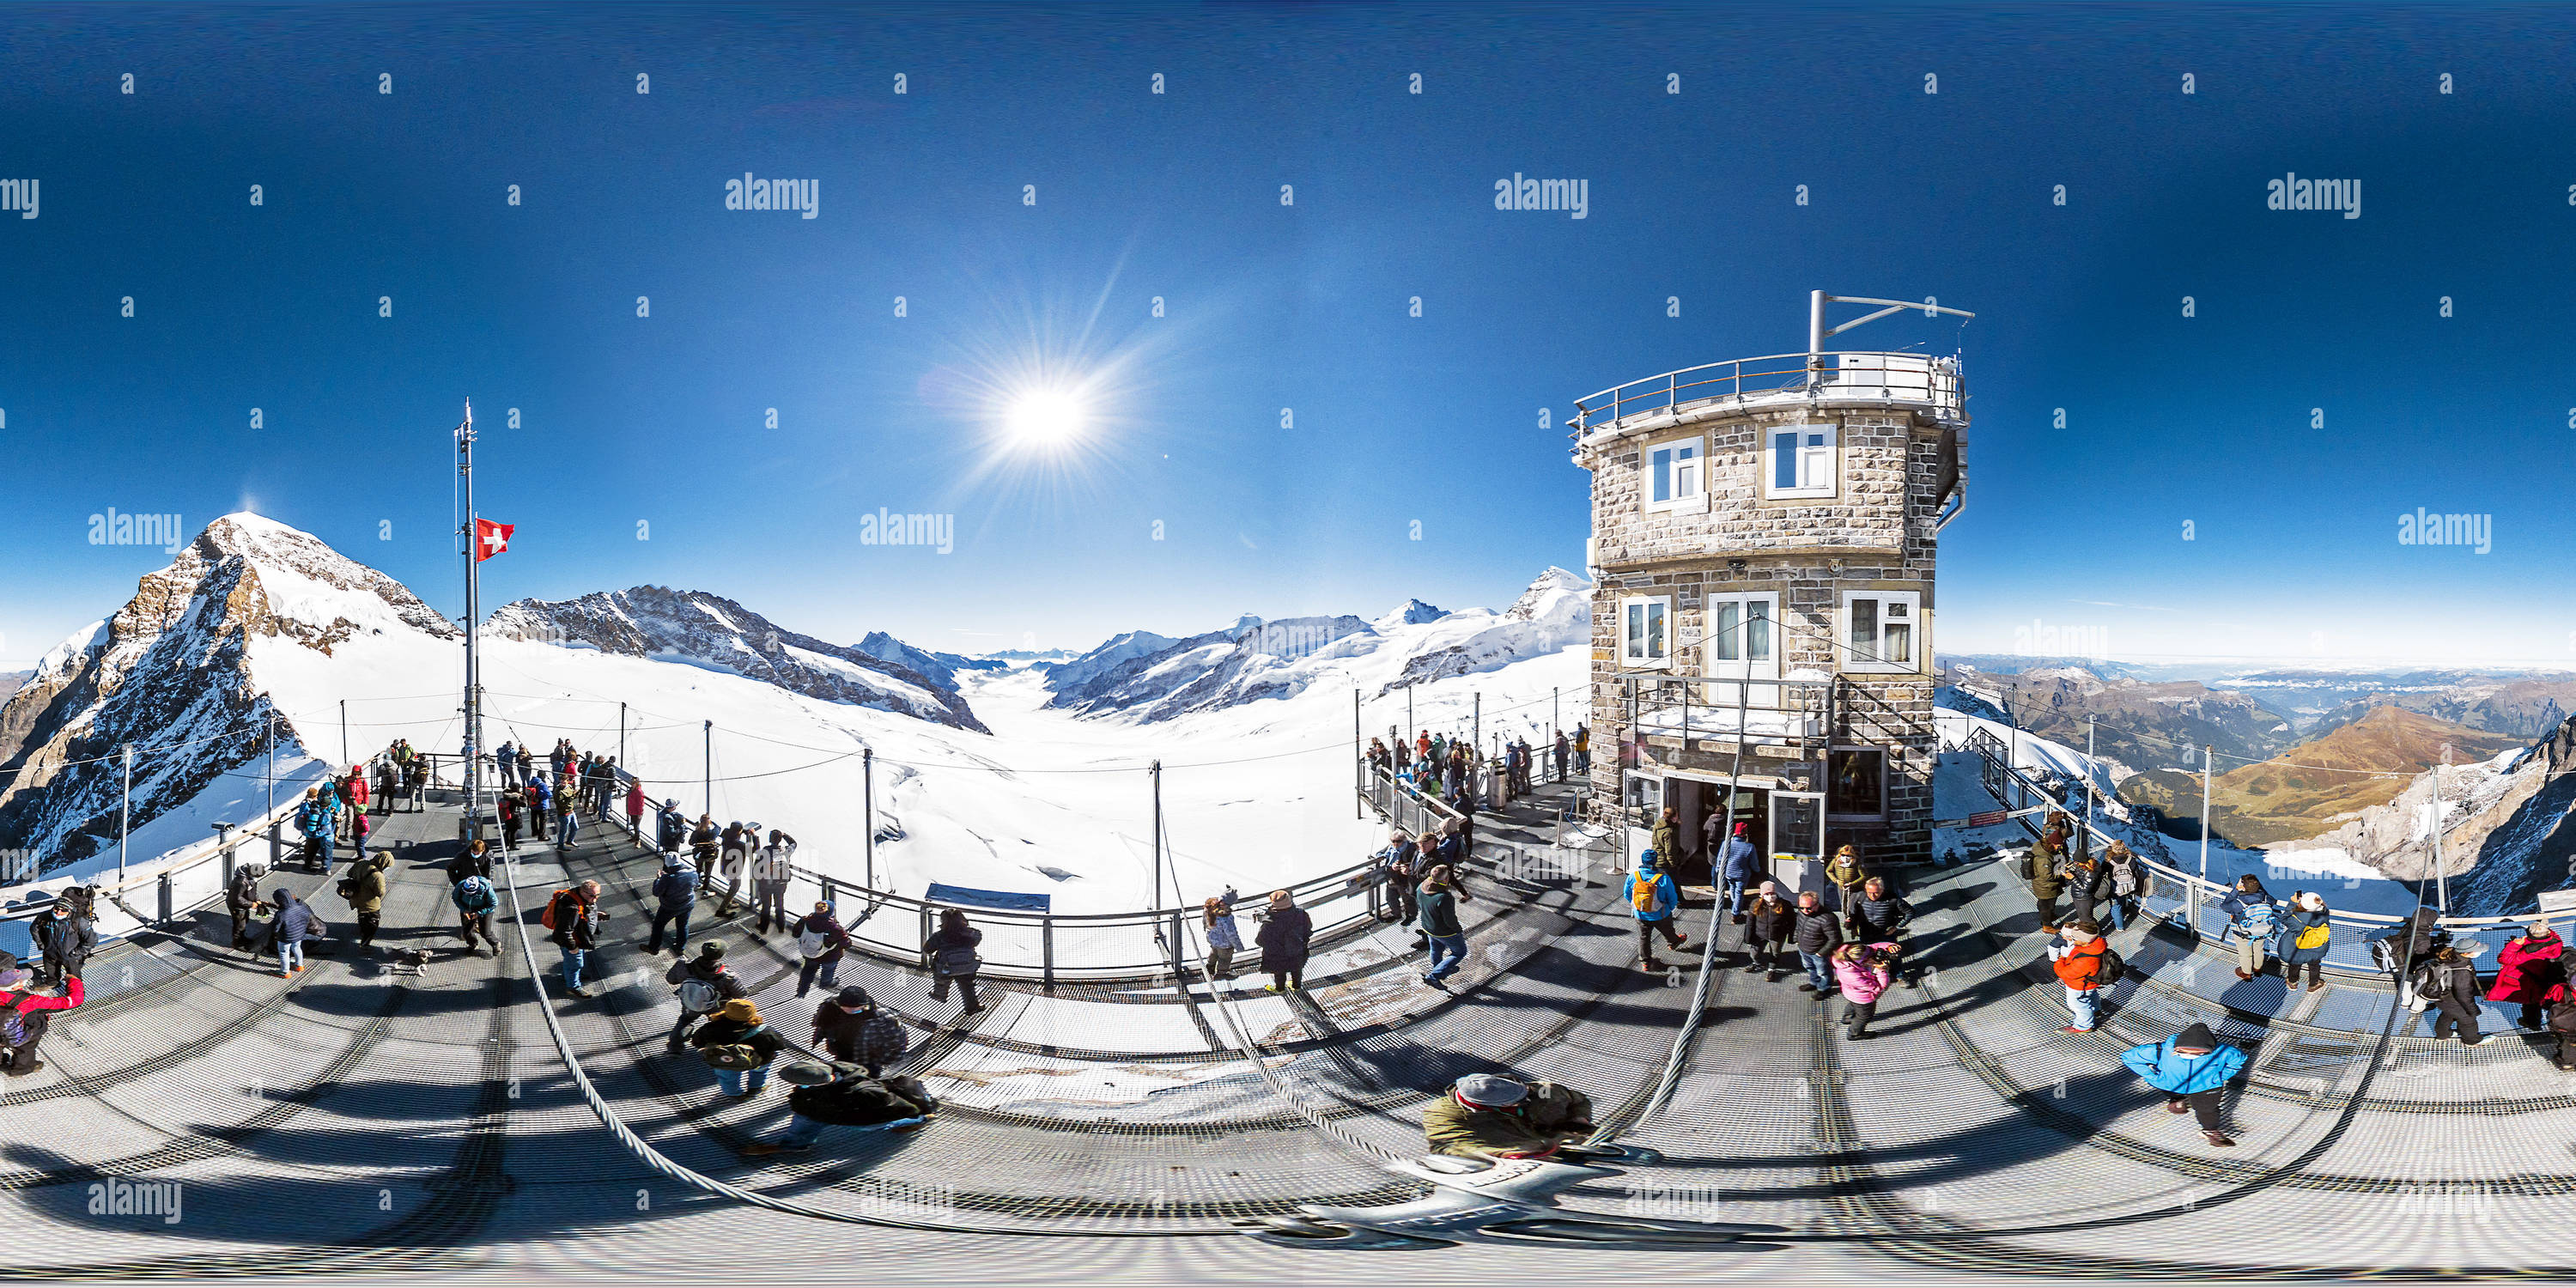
(1741, 868)
(1653, 899)
(2192, 1068)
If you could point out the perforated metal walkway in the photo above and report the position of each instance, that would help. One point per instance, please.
(358, 1120)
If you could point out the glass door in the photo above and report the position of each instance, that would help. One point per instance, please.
(1798, 825)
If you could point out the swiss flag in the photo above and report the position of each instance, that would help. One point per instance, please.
(491, 538)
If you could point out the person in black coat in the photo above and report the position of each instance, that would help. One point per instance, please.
(1816, 933)
(67, 941)
(950, 954)
(1770, 920)
(2450, 983)
(1283, 939)
(1878, 916)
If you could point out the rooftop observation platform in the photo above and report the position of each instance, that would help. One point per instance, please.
(1931, 385)
(474, 1118)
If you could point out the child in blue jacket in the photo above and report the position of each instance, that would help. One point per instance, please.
(2191, 1068)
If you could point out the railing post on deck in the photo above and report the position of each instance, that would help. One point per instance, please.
(1046, 948)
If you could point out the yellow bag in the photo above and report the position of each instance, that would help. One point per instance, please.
(2315, 936)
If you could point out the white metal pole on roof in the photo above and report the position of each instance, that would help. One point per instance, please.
(1359, 758)
(2441, 884)
(868, 811)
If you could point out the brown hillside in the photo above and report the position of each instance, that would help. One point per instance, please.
(2284, 799)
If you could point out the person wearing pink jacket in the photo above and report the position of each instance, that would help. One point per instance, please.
(1864, 971)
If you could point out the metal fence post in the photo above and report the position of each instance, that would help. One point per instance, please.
(168, 909)
(1046, 947)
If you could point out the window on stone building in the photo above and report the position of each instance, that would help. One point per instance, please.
(1645, 632)
(1856, 783)
(1882, 631)
(1798, 461)
(1673, 475)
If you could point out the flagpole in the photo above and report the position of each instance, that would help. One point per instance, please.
(473, 617)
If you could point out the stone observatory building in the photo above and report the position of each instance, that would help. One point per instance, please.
(1764, 533)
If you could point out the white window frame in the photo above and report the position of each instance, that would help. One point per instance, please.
(1661, 466)
(1864, 656)
(1820, 470)
(1630, 660)
(1713, 647)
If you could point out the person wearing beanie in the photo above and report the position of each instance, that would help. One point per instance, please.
(739, 1046)
(2193, 1069)
(851, 1028)
(675, 897)
(703, 984)
(1490, 1116)
(1742, 869)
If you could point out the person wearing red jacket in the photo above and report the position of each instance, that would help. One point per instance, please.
(2079, 968)
(23, 1017)
(2527, 969)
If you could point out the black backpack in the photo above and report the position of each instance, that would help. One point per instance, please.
(2112, 969)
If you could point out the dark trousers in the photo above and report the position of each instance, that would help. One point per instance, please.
(241, 924)
(537, 824)
(678, 920)
(1647, 930)
(1771, 955)
(2530, 1016)
(966, 987)
(2047, 905)
(58, 969)
(2316, 968)
(680, 1031)
(1284, 979)
(468, 924)
(367, 923)
(828, 968)
(1857, 1015)
(772, 896)
(2450, 1015)
(2204, 1106)
(1401, 895)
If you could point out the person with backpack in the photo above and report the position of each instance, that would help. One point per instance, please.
(541, 807)
(1224, 938)
(2528, 967)
(2079, 966)
(675, 896)
(1443, 932)
(2305, 932)
(505, 761)
(1815, 933)
(1741, 867)
(573, 917)
(1582, 749)
(509, 806)
(2449, 982)
(703, 841)
(773, 867)
(416, 783)
(475, 900)
(1652, 900)
(2088, 887)
(950, 954)
(2253, 918)
(1879, 916)
(2131, 882)
(67, 939)
(241, 899)
(315, 820)
(739, 1046)
(702, 985)
(2192, 1068)
(821, 941)
(851, 1028)
(731, 858)
(24, 1016)
(296, 923)
(844, 1096)
(1864, 971)
(1771, 920)
(365, 888)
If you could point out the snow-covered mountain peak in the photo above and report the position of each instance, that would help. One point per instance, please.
(1413, 612)
(1554, 597)
(698, 628)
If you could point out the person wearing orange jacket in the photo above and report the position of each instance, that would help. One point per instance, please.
(2079, 967)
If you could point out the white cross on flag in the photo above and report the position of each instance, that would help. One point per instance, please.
(491, 538)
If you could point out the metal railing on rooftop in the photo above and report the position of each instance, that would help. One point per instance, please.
(1871, 376)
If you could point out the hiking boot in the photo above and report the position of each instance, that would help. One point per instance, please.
(2243, 975)
(575, 992)
(1770, 977)
(2069, 1028)
(1739, 919)
(22, 1070)
(1680, 939)
(1650, 964)
(1807, 987)
(2218, 1138)
(2176, 1107)
(1754, 969)
(2317, 985)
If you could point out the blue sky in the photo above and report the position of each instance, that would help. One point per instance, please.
(661, 421)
